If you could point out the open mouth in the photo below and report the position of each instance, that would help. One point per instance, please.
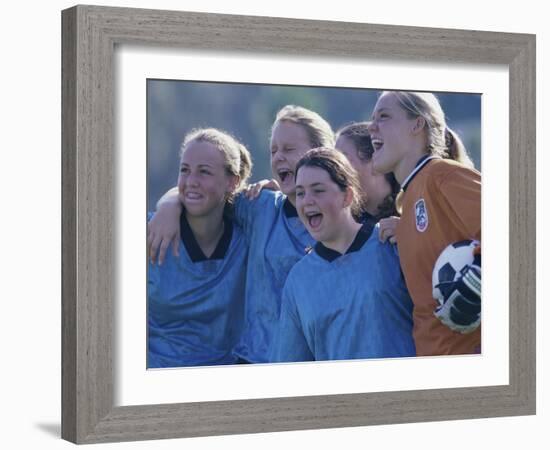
(193, 196)
(284, 175)
(314, 219)
(377, 144)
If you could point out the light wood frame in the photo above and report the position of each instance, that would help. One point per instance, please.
(90, 34)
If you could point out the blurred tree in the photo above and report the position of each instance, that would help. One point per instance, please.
(247, 111)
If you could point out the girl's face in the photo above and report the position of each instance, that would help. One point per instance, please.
(374, 184)
(322, 206)
(289, 142)
(394, 137)
(203, 181)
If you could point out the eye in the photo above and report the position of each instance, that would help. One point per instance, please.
(184, 170)
(299, 193)
(205, 172)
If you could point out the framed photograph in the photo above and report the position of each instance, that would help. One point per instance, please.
(111, 58)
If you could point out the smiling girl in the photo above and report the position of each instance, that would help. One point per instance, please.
(379, 190)
(354, 141)
(346, 299)
(278, 239)
(195, 300)
(441, 204)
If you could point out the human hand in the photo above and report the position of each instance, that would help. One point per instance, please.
(460, 307)
(163, 230)
(387, 230)
(253, 190)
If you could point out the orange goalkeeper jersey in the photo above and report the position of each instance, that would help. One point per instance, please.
(441, 205)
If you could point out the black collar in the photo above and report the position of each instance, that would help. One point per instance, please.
(289, 209)
(422, 162)
(330, 255)
(368, 219)
(191, 245)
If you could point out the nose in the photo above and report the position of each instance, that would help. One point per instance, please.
(189, 180)
(307, 198)
(372, 126)
(276, 156)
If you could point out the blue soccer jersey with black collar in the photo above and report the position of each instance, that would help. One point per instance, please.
(350, 306)
(277, 240)
(196, 304)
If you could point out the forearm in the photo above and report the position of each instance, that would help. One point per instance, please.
(170, 198)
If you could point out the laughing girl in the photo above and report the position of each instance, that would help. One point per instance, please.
(195, 300)
(278, 239)
(346, 299)
(441, 204)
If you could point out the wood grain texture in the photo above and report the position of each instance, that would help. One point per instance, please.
(89, 201)
(68, 226)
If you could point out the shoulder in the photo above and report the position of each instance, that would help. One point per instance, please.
(238, 236)
(306, 267)
(266, 197)
(455, 181)
(383, 248)
(444, 170)
(169, 267)
(265, 202)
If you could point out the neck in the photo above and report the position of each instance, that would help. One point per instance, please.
(346, 235)
(207, 229)
(407, 165)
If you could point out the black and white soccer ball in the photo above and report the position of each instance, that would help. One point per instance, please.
(453, 261)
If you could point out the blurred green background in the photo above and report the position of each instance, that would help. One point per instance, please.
(247, 111)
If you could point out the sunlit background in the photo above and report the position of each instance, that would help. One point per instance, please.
(247, 112)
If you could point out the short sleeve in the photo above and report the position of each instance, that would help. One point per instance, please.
(247, 211)
(461, 191)
(290, 343)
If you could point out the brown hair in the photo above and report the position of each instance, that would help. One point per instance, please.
(340, 171)
(237, 157)
(357, 132)
(442, 141)
(318, 129)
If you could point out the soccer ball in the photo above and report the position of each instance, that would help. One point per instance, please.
(452, 262)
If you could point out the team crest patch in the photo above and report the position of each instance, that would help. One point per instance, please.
(421, 215)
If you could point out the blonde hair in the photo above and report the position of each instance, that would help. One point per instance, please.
(340, 171)
(236, 156)
(442, 141)
(318, 129)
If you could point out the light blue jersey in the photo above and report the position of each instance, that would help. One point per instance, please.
(278, 239)
(196, 304)
(350, 306)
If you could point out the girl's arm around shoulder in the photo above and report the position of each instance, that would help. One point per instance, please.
(247, 210)
(253, 190)
(163, 229)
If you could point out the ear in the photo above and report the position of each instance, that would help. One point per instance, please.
(234, 181)
(348, 197)
(418, 125)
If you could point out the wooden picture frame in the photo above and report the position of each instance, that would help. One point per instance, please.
(90, 34)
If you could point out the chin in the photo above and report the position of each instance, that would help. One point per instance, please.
(288, 190)
(317, 235)
(381, 167)
(194, 210)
